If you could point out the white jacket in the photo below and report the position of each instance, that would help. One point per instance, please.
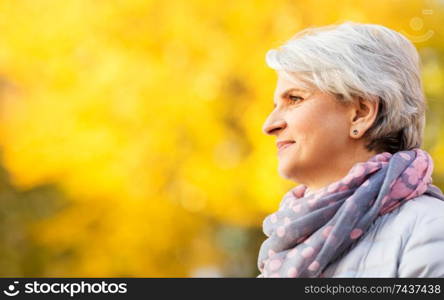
(408, 242)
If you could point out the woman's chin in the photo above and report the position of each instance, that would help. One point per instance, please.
(285, 170)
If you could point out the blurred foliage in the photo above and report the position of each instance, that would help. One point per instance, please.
(131, 135)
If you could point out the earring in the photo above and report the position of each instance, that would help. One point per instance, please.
(355, 131)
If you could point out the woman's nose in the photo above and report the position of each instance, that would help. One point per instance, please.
(272, 125)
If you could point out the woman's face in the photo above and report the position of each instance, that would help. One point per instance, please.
(318, 127)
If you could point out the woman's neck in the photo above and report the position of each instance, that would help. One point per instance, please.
(338, 173)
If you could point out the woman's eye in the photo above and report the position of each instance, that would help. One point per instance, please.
(295, 98)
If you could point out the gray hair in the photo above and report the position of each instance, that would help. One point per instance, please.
(353, 60)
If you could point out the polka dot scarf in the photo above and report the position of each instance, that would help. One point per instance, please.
(311, 230)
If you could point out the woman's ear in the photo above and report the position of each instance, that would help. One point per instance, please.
(363, 115)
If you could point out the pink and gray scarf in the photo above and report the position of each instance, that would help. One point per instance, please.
(310, 231)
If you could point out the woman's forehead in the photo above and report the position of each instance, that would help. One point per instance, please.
(287, 80)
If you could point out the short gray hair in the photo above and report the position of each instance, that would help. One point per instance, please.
(353, 60)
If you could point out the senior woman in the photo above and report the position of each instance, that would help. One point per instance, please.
(348, 117)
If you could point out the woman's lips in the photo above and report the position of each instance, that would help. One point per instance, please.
(285, 145)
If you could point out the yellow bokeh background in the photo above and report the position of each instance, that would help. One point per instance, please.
(130, 130)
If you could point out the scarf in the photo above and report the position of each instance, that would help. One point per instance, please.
(309, 231)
